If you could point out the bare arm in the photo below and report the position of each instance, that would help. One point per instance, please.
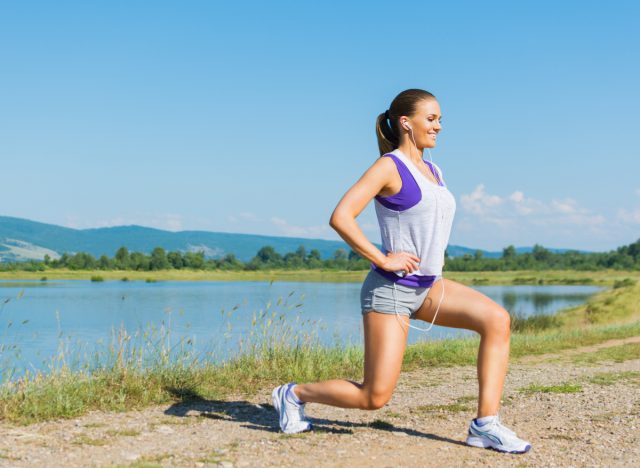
(343, 219)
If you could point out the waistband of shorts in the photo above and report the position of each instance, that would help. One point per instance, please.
(412, 281)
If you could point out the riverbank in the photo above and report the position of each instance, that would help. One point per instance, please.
(596, 278)
(577, 408)
(276, 355)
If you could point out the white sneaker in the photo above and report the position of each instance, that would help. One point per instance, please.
(291, 414)
(496, 436)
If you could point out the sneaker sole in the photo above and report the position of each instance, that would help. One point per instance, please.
(482, 442)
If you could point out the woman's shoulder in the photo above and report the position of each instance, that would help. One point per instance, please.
(386, 161)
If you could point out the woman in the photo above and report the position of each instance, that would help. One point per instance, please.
(415, 211)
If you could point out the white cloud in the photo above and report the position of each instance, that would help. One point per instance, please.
(516, 196)
(523, 205)
(479, 202)
(166, 221)
(495, 220)
(300, 231)
(632, 217)
(244, 216)
(518, 209)
(567, 206)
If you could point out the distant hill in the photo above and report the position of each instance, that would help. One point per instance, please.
(22, 239)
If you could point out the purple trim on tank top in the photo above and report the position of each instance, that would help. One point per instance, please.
(434, 172)
(412, 281)
(410, 193)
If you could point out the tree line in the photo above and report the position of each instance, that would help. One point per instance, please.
(267, 258)
(623, 258)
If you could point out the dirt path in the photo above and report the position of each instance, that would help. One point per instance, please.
(424, 424)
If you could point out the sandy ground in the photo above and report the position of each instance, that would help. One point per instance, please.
(425, 424)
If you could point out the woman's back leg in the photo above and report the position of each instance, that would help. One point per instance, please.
(385, 339)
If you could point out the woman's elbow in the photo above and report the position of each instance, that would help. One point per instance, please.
(337, 220)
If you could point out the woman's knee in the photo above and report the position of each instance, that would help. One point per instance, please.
(374, 400)
(496, 322)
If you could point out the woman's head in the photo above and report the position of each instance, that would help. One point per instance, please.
(414, 114)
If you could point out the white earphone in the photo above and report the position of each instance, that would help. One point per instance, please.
(438, 278)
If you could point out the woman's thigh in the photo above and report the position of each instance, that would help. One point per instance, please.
(385, 339)
(462, 307)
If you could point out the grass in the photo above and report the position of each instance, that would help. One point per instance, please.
(123, 432)
(134, 374)
(614, 353)
(561, 388)
(611, 378)
(451, 408)
(548, 277)
(85, 440)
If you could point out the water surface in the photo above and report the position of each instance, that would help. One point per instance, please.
(37, 317)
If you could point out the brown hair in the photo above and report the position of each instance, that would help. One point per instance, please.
(387, 128)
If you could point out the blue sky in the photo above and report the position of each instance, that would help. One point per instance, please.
(256, 117)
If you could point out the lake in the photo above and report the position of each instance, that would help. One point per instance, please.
(40, 319)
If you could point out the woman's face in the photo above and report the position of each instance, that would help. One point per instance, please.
(426, 123)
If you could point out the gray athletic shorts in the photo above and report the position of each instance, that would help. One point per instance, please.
(377, 294)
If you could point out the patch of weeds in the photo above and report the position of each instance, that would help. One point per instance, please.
(380, 424)
(97, 279)
(218, 455)
(173, 421)
(479, 280)
(154, 459)
(614, 353)
(524, 280)
(123, 432)
(624, 283)
(85, 440)
(451, 408)
(144, 464)
(610, 378)
(5, 456)
(561, 388)
(96, 424)
(466, 399)
(533, 323)
(392, 414)
(604, 417)
(150, 280)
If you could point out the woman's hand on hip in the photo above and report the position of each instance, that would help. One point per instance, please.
(396, 261)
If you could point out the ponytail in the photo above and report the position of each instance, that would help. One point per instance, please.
(387, 137)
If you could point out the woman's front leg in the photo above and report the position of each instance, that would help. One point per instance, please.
(464, 307)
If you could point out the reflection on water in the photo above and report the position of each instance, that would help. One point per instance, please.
(36, 315)
(531, 300)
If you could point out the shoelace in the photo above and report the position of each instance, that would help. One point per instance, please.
(505, 428)
(299, 407)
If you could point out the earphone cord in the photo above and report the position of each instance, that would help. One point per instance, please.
(395, 304)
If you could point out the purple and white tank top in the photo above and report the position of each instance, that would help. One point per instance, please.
(417, 220)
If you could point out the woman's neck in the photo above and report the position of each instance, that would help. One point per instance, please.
(412, 152)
